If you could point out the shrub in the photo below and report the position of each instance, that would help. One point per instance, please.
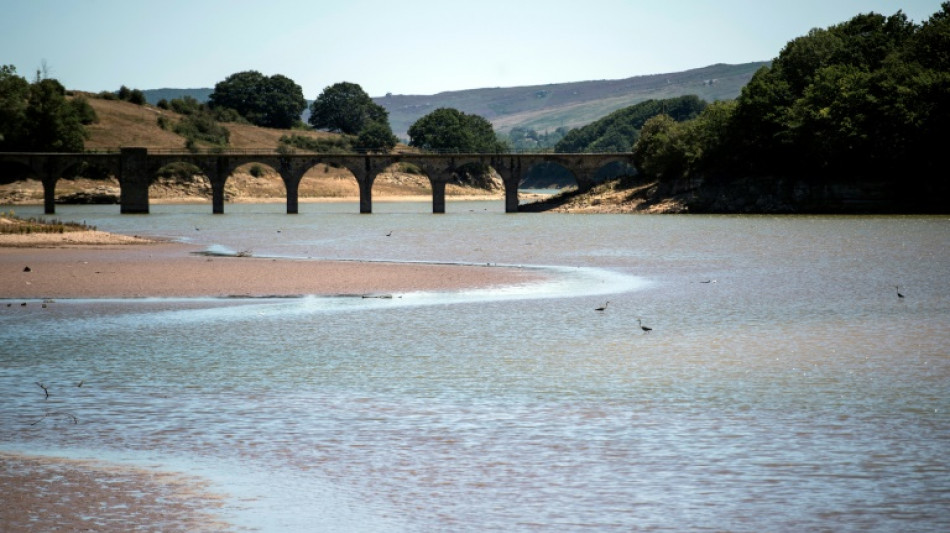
(137, 97)
(332, 145)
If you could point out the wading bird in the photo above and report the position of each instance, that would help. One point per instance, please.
(899, 295)
(646, 329)
(603, 307)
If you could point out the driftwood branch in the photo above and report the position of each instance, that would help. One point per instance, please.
(72, 418)
(40, 385)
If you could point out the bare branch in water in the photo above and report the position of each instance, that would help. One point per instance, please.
(72, 418)
(40, 385)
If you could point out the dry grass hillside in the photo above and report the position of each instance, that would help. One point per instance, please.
(125, 124)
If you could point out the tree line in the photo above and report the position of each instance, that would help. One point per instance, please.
(867, 98)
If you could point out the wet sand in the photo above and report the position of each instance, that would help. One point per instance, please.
(174, 270)
(40, 493)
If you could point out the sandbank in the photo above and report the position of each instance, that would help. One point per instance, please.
(167, 269)
(54, 494)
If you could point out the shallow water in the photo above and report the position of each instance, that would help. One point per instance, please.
(784, 386)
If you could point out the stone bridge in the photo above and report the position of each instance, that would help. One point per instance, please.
(135, 168)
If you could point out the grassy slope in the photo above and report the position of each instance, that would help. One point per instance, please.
(547, 107)
(124, 124)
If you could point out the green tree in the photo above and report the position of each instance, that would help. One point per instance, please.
(618, 131)
(14, 98)
(345, 107)
(273, 102)
(54, 124)
(450, 130)
(376, 137)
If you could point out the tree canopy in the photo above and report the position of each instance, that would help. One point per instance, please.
(867, 98)
(37, 117)
(450, 130)
(619, 130)
(345, 107)
(269, 101)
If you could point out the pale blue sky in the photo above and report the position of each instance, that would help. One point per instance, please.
(403, 47)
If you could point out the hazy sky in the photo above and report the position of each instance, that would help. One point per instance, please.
(402, 46)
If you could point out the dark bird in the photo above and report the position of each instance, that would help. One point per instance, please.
(899, 295)
(603, 307)
(646, 329)
(390, 233)
(27, 269)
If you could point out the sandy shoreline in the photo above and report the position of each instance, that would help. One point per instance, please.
(39, 493)
(173, 270)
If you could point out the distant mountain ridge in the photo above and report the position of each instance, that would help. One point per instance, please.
(547, 107)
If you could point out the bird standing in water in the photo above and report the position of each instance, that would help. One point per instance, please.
(646, 329)
(898, 287)
(603, 307)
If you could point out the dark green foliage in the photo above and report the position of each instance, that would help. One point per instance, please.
(137, 97)
(186, 105)
(14, 97)
(134, 96)
(448, 130)
(272, 102)
(163, 104)
(376, 137)
(868, 99)
(201, 126)
(618, 131)
(53, 125)
(37, 117)
(256, 171)
(84, 111)
(346, 108)
(331, 145)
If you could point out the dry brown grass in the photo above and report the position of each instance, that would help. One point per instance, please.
(124, 124)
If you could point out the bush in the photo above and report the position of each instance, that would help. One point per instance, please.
(332, 145)
(202, 127)
(163, 104)
(256, 171)
(137, 97)
(186, 105)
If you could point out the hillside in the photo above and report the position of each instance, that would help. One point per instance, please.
(547, 107)
(125, 124)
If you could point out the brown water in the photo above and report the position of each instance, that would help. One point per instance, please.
(784, 385)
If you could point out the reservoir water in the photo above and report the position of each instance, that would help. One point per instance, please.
(784, 385)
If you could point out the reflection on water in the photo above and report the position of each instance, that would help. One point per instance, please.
(784, 386)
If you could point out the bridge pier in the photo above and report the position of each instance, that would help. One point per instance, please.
(293, 196)
(134, 180)
(49, 195)
(438, 195)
